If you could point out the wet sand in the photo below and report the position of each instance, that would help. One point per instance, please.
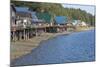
(20, 48)
(76, 47)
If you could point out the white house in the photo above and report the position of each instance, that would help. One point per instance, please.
(79, 23)
(23, 17)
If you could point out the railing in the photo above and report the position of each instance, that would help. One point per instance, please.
(20, 27)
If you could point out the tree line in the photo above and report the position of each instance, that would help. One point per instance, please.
(57, 9)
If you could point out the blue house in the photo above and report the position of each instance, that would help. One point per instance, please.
(61, 22)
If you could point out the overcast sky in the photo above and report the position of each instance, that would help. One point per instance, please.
(87, 8)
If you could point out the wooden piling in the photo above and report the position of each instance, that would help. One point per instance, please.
(20, 35)
(36, 31)
(24, 35)
(13, 35)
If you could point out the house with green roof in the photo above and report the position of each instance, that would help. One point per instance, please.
(45, 16)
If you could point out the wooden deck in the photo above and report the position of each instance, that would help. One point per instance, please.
(25, 33)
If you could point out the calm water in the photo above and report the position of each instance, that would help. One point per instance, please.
(76, 47)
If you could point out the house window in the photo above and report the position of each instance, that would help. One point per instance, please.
(24, 20)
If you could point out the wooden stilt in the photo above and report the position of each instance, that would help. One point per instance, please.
(45, 30)
(13, 36)
(36, 31)
(24, 35)
(28, 34)
(20, 35)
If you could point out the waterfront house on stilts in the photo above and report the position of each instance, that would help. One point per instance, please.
(61, 23)
(13, 22)
(38, 24)
(24, 21)
(46, 18)
(22, 25)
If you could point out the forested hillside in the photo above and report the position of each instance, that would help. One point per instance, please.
(56, 9)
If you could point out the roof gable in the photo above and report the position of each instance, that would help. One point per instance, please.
(61, 19)
(34, 17)
(12, 7)
(22, 9)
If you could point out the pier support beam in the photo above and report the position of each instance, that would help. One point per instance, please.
(36, 32)
(24, 33)
(20, 35)
(45, 29)
(28, 34)
(13, 36)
